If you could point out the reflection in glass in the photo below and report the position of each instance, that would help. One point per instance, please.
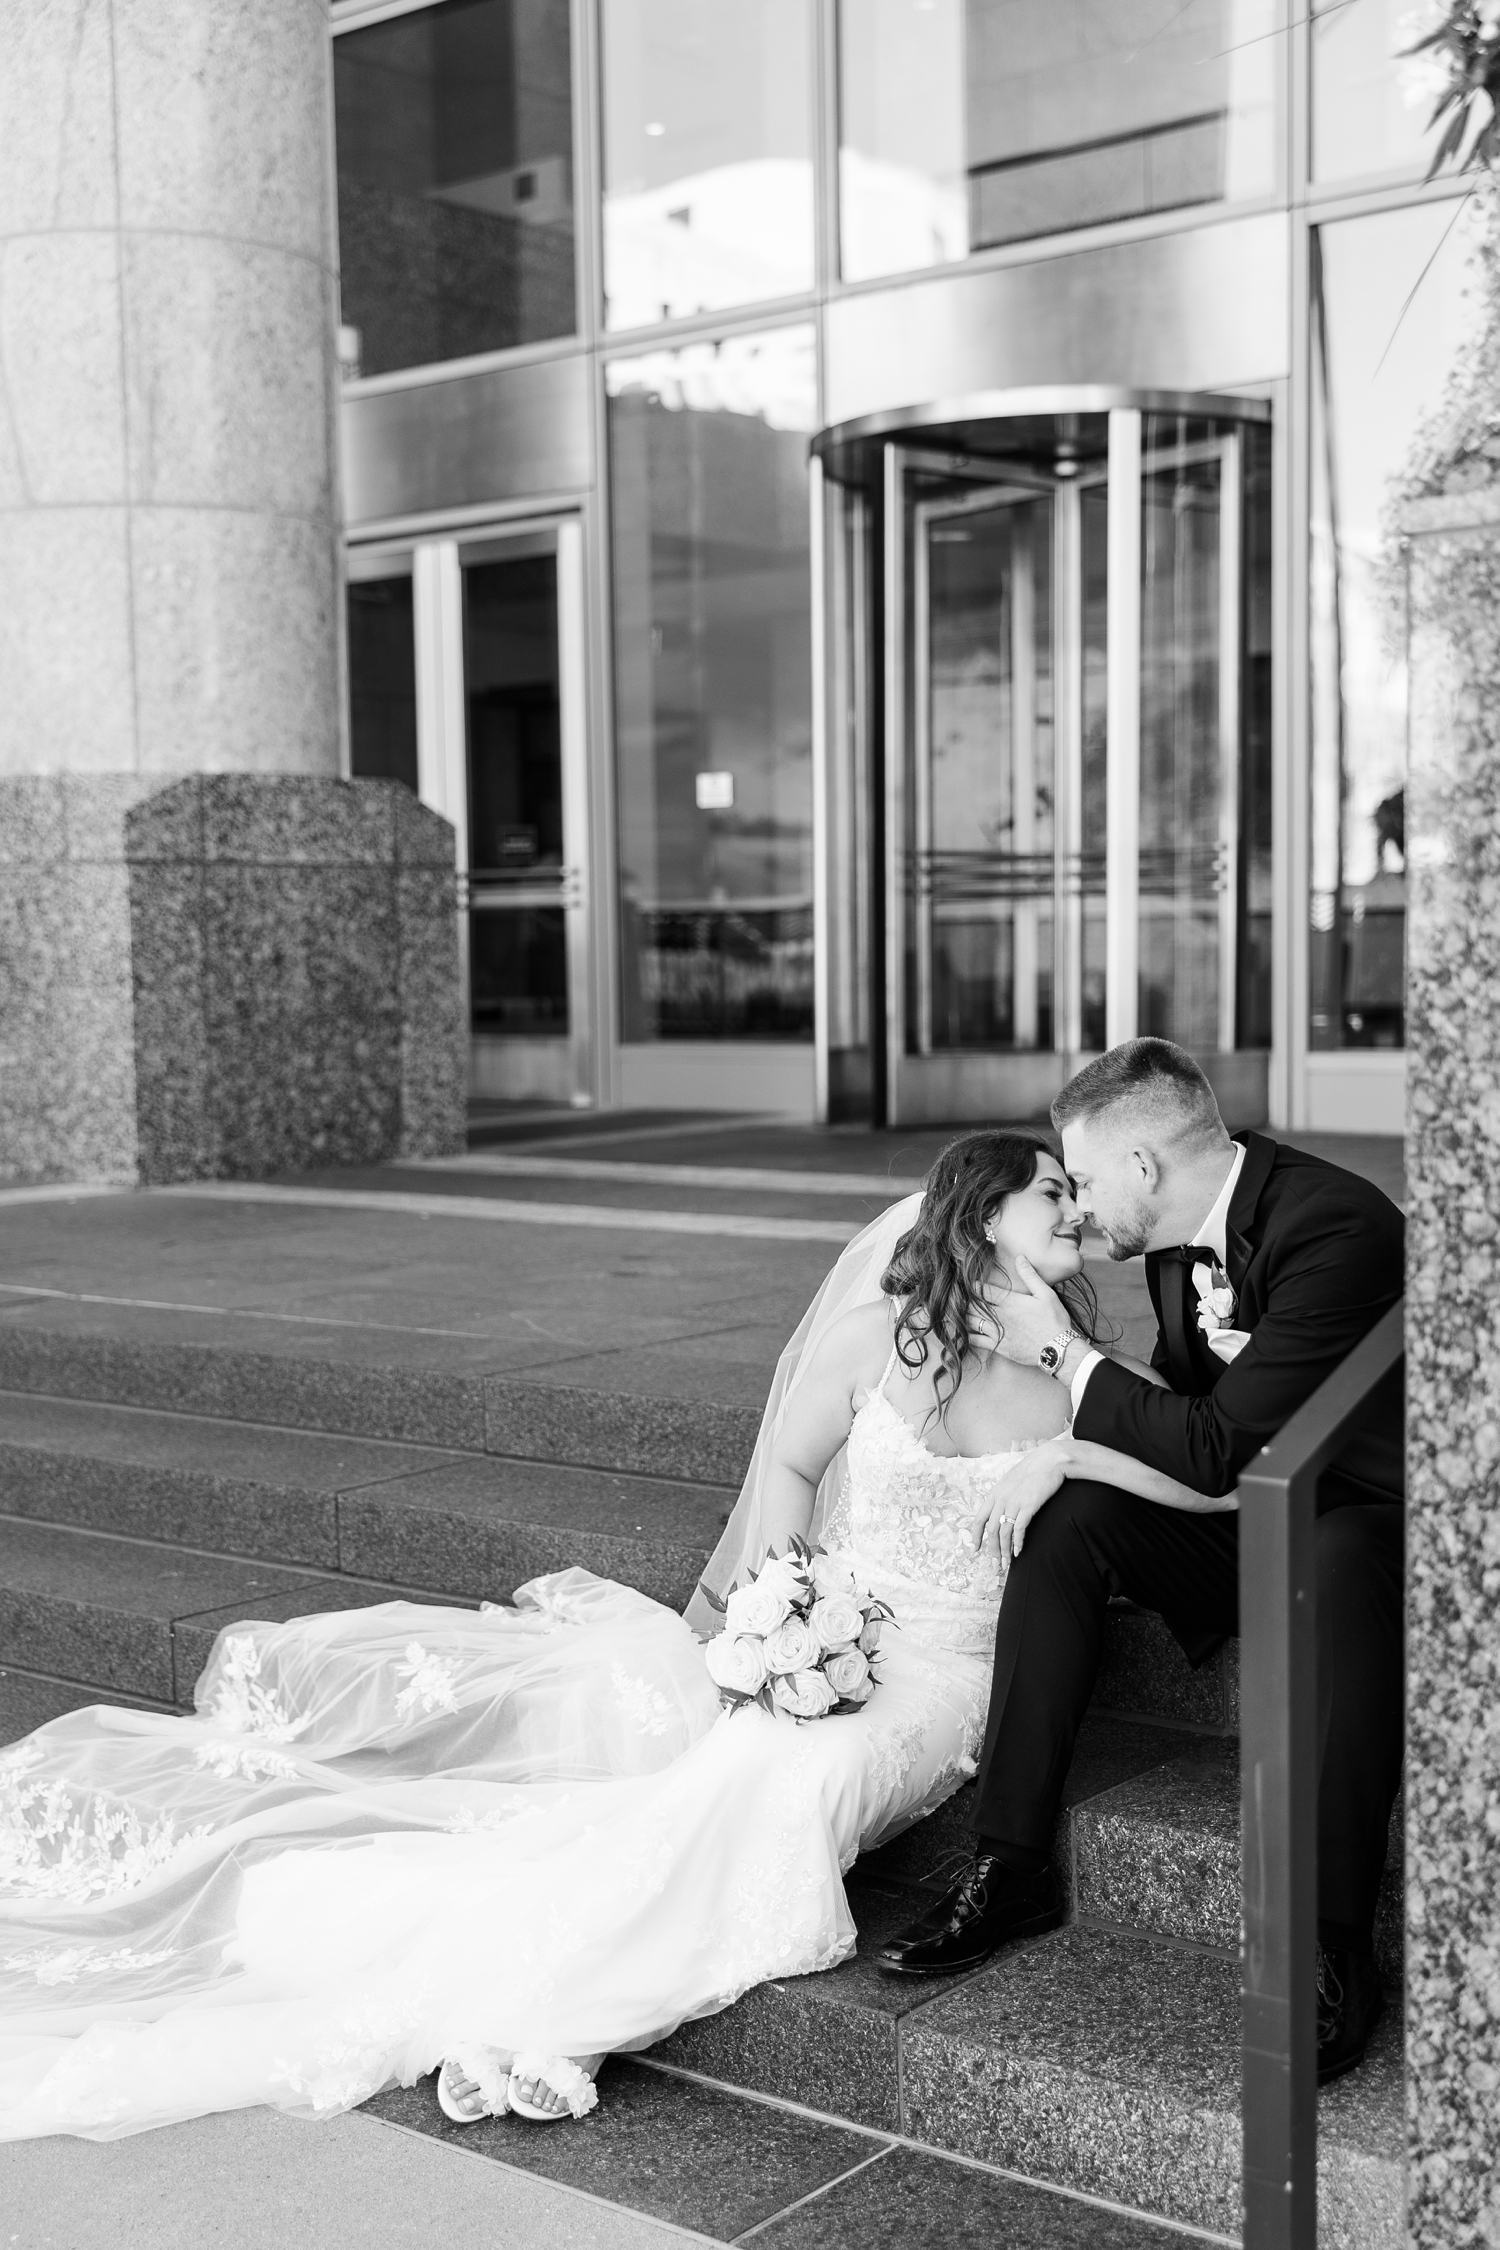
(1183, 779)
(708, 467)
(517, 956)
(1006, 787)
(1205, 751)
(518, 971)
(708, 141)
(1379, 367)
(1093, 809)
(382, 681)
(986, 865)
(1370, 104)
(969, 123)
(514, 717)
(454, 132)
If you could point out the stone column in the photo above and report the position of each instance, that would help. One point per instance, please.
(1453, 1372)
(169, 579)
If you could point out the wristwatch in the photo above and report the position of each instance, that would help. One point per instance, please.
(1050, 1358)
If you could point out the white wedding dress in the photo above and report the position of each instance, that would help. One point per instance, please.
(391, 1832)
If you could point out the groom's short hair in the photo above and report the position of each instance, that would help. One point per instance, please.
(1156, 1081)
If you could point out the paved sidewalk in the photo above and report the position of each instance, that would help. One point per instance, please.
(252, 2180)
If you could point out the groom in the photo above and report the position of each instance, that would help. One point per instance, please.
(1265, 1266)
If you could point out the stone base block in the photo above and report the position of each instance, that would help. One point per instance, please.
(224, 977)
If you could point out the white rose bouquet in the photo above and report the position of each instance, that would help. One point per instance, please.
(801, 1638)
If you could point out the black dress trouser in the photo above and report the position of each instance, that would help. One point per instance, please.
(1090, 1542)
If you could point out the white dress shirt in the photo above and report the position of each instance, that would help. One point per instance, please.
(1211, 1234)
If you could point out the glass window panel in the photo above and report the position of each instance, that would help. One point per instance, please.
(708, 467)
(990, 870)
(1094, 777)
(708, 141)
(1181, 766)
(514, 717)
(1370, 106)
(518, 971)
(969, 123)
(1253, 967)
(382, 681)
(454, 132)
(1394, 311)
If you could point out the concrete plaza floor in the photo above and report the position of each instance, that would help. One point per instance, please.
(253, 2180)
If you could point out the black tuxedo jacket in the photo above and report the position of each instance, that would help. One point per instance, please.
(1316, 1255)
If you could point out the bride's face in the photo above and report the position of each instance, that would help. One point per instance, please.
(1043, 1223)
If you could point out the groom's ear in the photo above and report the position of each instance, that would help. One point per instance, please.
(1148, 1171)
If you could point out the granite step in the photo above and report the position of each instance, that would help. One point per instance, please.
(684, 1417)
(1102, 2059)
(1160, 1852)
(1108, 2062)
(473, 1526)
(123, 1617)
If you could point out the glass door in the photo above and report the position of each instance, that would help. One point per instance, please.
(466, 681)
(984, 866)
(1077, 847)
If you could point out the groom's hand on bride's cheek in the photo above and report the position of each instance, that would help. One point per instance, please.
(1031, 1316)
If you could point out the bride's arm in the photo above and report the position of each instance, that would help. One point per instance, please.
(1036, 1476)
(818, 1419)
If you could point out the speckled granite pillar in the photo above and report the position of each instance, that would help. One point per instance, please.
(229, 976)
(1453, 1645)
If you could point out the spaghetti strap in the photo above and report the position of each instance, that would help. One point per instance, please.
(885, 1378)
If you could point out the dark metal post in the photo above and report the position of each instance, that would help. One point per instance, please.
(1279, 1841)
(1279, 1797)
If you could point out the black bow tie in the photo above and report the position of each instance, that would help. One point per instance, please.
(1196, 1254)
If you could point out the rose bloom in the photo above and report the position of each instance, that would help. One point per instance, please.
(757, 1609)
(785, 1577)
(792, 1647)
(869, 1639)
(832, 1575)
(849, 1676)
(736, 1662)
(837, 1621)
(806, 1695)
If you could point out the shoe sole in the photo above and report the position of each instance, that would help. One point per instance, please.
(1034, 1928)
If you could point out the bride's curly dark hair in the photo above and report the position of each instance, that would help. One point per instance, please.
(942, 1267)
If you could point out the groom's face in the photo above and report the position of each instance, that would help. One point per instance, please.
(1110, 1184)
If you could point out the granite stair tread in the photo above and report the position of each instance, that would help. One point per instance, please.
(122, 1615)
(1109, 2062)
(448, 1521)
(1160, 1851)
(1098, 2060)
(682, 1411)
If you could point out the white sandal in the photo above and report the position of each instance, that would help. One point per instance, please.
(571, 2081)
(482, 2064)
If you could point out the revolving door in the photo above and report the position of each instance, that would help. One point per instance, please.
(1046, 788)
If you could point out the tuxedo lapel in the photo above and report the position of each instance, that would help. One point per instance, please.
(1239, 1248)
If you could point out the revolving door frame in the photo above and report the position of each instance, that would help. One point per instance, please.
(876, 457)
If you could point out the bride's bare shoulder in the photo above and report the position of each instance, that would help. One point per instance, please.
(858, 1343)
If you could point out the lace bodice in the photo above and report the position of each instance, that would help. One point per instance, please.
(905, 1516)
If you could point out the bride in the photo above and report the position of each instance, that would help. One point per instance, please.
(512, 1841)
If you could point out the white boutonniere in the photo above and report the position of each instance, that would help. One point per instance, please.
(1217, 1305)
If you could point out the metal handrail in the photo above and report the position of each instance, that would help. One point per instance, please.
(1279, 1796)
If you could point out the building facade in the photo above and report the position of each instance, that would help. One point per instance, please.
(875, 520)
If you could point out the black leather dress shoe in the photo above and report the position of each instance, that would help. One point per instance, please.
(1350, 2004)
(987, 1906)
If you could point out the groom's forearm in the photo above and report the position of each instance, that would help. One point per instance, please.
(1183, 1438)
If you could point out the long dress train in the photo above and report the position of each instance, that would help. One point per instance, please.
(388, 1833)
